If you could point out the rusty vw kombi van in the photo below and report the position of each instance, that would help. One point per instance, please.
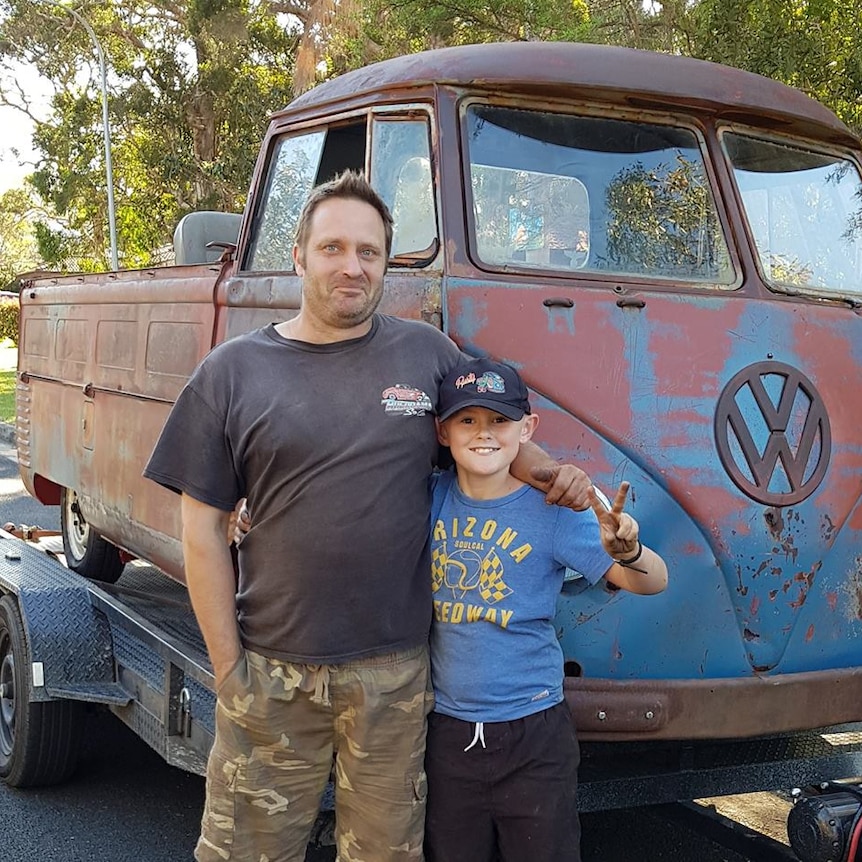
(671, 253)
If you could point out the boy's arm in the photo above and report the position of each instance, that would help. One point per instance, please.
(636, 567)
(563, 484)
(648, 578)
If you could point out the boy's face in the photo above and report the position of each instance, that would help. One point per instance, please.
(484, 442)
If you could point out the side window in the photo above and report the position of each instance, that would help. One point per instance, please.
(804, 211)
(560, 192)
(401, 173)
(298, 163)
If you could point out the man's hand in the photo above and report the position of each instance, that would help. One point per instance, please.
(619, 530)
(240, 523)
(564, 485)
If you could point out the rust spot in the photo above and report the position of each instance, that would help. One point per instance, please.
(800, 601)
(749, 635)
(774, 521)
(854, 592)
(828, 529)
(809, 634)
(832, 600)
(772, 595)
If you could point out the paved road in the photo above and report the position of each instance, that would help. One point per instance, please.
(126, 805)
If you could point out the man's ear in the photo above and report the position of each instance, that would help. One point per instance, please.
(442, 433)
(298, 265)
(529, 427)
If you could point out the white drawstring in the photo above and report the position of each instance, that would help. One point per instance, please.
(478, 736)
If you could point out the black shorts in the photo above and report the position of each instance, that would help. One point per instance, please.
(514, 799)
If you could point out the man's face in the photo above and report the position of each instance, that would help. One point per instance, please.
(342, 264)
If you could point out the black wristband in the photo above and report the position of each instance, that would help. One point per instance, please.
(633, 559)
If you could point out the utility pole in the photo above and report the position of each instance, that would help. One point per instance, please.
(106, 128)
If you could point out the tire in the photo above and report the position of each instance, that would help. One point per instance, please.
(39, 742)
(86, 551)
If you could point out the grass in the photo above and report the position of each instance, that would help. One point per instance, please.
(7, 396)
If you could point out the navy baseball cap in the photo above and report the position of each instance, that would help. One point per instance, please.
(484, 383)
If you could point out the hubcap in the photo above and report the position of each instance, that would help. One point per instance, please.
(77, 528)
(7, 699)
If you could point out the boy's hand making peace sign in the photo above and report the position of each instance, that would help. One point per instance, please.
(619, 533)
(619, 530)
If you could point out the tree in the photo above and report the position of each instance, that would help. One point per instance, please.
(18, 252)
(191, 88)
(814, 45)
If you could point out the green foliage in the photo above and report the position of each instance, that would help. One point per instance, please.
(18, 251)
(815, 46)
(8, 380)
(9, 319)
(411, 25)
(191, 87)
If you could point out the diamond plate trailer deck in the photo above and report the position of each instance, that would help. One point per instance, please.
(133, 647)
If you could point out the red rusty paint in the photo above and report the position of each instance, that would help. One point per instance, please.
(832, 600)
(754, 607)
(809, 633)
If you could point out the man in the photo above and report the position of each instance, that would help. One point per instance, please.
(325, 422)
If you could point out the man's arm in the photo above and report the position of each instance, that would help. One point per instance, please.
(563, 484)
(211, 582)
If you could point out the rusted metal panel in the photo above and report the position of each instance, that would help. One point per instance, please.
(632, 709)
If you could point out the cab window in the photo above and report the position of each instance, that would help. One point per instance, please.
(298, 163)
(401, 174)
(804, 213)
(562, 192)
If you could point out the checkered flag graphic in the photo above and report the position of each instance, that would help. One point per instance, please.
(438, 567)
(492, 588)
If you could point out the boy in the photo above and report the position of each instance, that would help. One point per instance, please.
(502, 754)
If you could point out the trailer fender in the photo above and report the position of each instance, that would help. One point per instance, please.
(69, 642)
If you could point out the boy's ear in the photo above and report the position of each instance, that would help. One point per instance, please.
(442, 435)
(529, 427)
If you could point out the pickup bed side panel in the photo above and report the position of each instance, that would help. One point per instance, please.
(101, 360)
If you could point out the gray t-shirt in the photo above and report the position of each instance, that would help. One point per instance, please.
(333, 445)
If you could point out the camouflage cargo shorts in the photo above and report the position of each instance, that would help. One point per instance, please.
(278, 725)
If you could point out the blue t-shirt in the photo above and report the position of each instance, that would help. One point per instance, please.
(497, 567)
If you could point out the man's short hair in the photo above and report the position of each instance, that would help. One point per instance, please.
(347, 185)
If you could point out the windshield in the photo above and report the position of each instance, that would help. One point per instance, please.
(804, 211)
(556, 191)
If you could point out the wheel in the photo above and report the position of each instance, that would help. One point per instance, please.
(39, 742)
(86, 551)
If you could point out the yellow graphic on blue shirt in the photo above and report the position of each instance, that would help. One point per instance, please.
(466, 562)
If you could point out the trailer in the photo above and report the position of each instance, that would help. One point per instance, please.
(133, 647)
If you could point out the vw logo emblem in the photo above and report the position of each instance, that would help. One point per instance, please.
(772, 433)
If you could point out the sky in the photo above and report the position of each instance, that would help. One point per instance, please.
(16, 129)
